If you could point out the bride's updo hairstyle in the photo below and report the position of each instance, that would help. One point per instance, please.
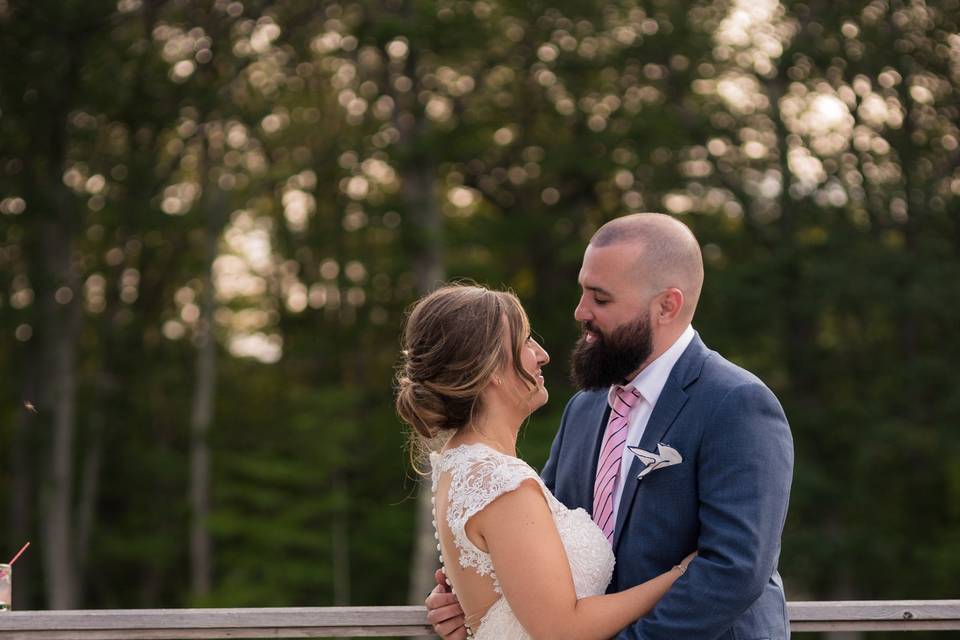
(452, 347)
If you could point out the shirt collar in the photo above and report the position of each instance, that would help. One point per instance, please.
(650, 381)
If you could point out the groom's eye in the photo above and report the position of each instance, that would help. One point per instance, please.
(600, 302)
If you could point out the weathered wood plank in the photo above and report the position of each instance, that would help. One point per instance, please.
(164, 624)
(209, 633)
(875, 615)
(876, 625)
(335, 622)
(870, 610)
(223, 618)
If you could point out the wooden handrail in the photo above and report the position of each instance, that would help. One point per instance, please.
(169, 624)
(370, 622)
(875, 615)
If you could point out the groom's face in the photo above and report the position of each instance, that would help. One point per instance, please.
(614, 311)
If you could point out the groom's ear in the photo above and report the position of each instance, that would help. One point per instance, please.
(668, 305)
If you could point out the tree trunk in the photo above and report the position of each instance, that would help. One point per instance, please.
(419, 194)
(21, 463)
(425, 554)
(799, 321)
(201, 416)
(61, 328)
(89, 490)
(341, 545)
(419, 186)
(60, 311)
(200, 419)
(90, 474)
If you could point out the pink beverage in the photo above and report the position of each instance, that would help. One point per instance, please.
(6, 587)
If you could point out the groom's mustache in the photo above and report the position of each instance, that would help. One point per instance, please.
(592, 328)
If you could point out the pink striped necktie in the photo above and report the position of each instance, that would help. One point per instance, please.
(611, 455)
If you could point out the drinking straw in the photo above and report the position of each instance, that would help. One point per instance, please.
(19, 553)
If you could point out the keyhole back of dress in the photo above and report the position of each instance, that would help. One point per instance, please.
(475, 592)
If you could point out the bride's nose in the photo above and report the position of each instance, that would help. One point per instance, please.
(542, 356)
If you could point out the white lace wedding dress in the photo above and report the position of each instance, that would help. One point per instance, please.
(478, 475)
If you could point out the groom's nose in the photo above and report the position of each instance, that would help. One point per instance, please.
(582, 313)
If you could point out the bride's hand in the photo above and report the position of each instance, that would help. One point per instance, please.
(686, 562)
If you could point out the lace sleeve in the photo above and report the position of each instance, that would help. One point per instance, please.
(477, 478)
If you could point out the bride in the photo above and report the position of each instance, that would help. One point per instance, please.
(521, 564)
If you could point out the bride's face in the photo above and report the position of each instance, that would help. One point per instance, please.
(532, 359)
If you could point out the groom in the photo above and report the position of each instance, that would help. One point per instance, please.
(702, 458)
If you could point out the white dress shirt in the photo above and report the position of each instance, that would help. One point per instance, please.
(649, 382)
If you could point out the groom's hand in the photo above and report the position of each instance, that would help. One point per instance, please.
(444, 612)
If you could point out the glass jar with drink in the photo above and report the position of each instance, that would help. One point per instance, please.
(6, 587)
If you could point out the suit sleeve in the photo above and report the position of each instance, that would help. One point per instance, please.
(549, 473)
(744, 472)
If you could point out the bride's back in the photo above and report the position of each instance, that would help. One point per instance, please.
(466, 479)
(476, 592)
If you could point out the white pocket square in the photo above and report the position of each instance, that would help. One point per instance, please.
(664, 457)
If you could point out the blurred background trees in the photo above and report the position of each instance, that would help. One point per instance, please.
(214, 213)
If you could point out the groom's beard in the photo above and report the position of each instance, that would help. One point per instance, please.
(609, 359)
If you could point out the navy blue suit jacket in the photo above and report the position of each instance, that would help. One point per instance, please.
(728, 499)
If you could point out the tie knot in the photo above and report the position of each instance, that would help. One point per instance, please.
(628, 396)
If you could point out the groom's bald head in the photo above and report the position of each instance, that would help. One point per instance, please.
(667, 253)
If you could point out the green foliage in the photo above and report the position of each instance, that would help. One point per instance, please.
(812, 147)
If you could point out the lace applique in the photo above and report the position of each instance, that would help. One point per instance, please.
(478, 476)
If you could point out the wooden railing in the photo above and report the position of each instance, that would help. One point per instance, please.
(370, 622)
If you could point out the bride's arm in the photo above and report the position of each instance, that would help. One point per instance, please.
(528, 556)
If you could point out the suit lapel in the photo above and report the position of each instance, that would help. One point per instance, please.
(671, 401)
